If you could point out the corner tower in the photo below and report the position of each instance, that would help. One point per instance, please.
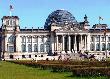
(10, 23)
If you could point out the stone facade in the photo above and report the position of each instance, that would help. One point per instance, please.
(61, 34)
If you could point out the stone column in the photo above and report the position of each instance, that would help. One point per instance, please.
(44, 44)
(26, 40)
(57, 43)
(85, 42)
(16, 45)
(80, 42)
(31, 44)
(45, 39)
(100, 43)
(38, 43)
(94, 43)
(69, 41)
(75, 44)
(106, 42)
(5, 42)
(54, 43)
(63, 43)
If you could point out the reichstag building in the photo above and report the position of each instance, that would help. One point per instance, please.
(61, 34)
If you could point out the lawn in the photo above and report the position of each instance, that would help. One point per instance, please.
(14, 71)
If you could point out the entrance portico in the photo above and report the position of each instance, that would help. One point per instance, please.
(70, 43)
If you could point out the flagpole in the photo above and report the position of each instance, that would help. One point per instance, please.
(99, 20)
(10, 13)
(10, 8)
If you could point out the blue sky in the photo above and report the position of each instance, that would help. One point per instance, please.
(33, 13)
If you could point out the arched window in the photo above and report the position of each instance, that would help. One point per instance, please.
(11, 39)
(47, 48)
(29, 48)
(103, 46)
(97, 47)
(108, 46)
(41, 48)
(35, 48)
(92, 47)
(23, 47)
(7, 22)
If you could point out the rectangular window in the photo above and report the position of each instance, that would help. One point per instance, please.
(109, 39)
(11, 49)
(97, 38)
(23, 39)
(29, 56)
(92, 39)
(35, 40)
(103, 38)
(23, 56)
(29, 39)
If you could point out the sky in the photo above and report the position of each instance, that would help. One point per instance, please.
(33, 13)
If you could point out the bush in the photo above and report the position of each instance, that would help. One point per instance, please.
(78, 68)
(92, 71)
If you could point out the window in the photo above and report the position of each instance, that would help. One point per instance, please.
(29, 39)
(103, 38)
(14, 22)
(23, 39)
(7, 22)
(35, 48)
(29, 48)
(92, 47)
(47, 47)
(35, 55)
(10, 48)
(92, 39)
(11, 39)
(108, 46)
(29, 56)
(23, 56)
(59, 39)
(11, 22)
(97, 47)
(109, 39)
(42, 48)
(103, 46)
(23, 47)
(97, 38)
(35, 40)
(41, 55)
(11, 56)
(42, 39)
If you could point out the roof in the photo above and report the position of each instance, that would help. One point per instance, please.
(8, 17)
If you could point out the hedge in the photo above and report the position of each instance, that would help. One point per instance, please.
(78, 68)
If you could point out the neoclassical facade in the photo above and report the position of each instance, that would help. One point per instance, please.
(61, 34)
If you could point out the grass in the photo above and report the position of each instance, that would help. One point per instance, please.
(14, 71)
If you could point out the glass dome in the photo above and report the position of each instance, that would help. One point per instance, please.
(59, 17)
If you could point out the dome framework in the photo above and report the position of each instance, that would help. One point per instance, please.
(60, 17)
